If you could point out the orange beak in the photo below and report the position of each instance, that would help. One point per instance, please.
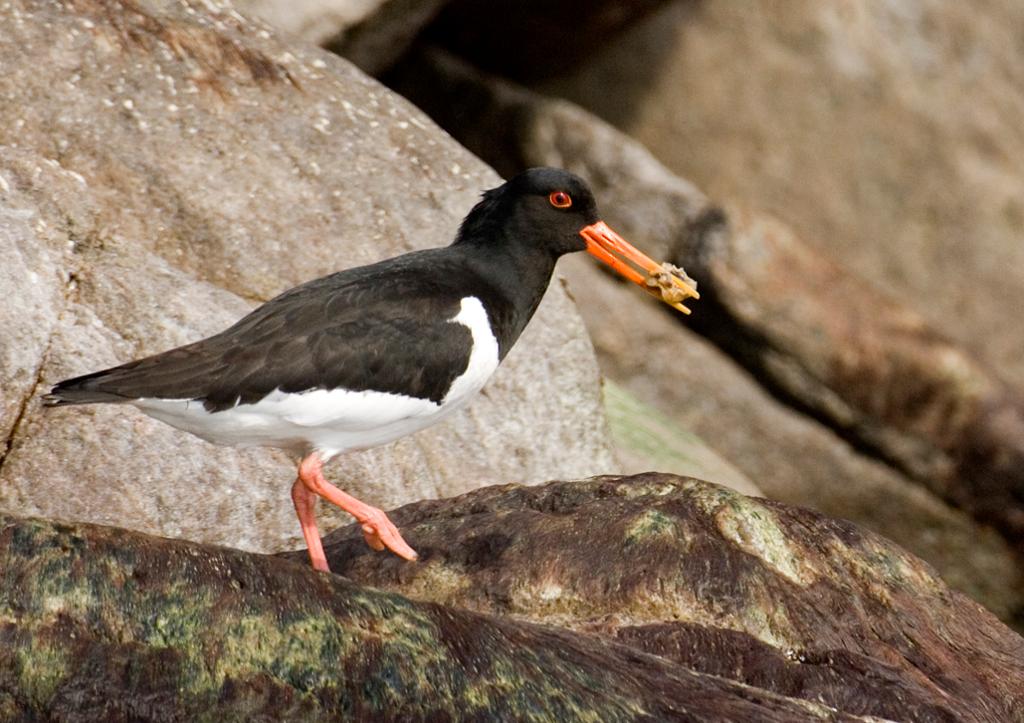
(661, 280)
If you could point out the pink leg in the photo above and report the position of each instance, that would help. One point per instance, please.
(305, 507)
(378, 530)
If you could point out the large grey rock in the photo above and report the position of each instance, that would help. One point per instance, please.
(799, 321)
(191, 165)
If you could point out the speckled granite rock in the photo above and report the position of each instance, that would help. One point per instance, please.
(773, 596)
(101, 624)
(165, 165)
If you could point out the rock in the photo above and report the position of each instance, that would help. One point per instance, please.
(104, 624)
(314, 21)
(842, 678)
(370, 33)
(26, 276)
(374, 34)
(796, 319)
(380, 39)
(194, 164)
(886, 134)
(873, 369)
(773, 596)
(646, 439)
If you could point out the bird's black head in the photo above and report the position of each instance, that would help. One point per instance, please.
(541, 207)
(552, 212)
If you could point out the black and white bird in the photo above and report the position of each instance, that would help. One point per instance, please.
(364, 356)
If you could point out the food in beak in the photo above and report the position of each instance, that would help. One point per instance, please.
(667, 282)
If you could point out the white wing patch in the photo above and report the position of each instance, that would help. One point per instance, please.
(332, 421)
(484, 359)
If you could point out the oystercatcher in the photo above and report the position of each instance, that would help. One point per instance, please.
(364, 356)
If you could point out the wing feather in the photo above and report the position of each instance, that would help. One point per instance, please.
(385, 327)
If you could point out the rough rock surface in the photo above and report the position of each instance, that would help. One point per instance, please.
(102, 624)
(773, 596)
(163, 166)
(105, 624)
(888, 133)
(794, 317)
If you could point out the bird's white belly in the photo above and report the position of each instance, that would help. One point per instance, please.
(336, 420)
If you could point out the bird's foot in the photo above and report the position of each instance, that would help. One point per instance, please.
(380, 533)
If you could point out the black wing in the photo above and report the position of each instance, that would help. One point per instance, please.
(384, 327)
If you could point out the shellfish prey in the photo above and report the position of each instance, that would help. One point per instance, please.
(667, 282)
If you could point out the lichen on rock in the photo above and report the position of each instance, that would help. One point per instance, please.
(105, 624)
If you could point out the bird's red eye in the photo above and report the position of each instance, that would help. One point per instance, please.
(560, 199)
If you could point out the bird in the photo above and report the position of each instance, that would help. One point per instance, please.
(366, 355)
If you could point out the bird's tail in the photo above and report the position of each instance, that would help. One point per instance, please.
(81, 390)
